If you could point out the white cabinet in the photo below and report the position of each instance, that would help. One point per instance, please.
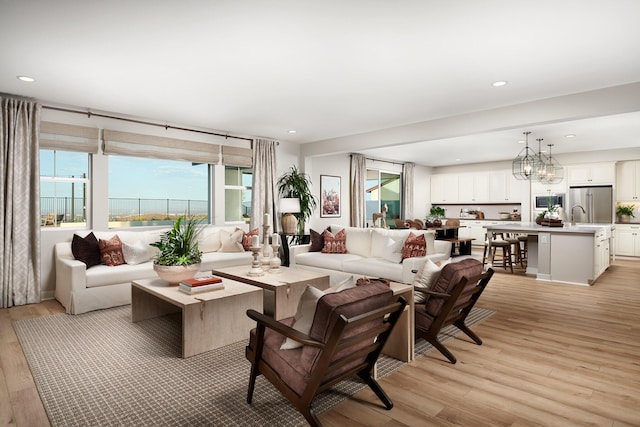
(444, 188)
(628, 181)
(473, 188)
(503, 187)
(627, 239)
(470, 229)
(600, 253)
(540, 188)
(592, 174)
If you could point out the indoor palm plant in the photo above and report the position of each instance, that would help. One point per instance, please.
(296, 184)
(179, 256)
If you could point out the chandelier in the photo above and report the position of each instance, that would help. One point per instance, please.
(528, 165)
(524, 165)
(553, 171)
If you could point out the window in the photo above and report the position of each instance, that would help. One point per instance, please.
(237, 193)
(146, 191)
(382, 188)
(63, 188)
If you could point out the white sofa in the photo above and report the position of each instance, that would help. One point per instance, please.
(80, 289)
(364, 255)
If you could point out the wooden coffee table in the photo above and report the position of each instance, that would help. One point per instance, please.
(400, 344)
(209, 319)
(282, 290)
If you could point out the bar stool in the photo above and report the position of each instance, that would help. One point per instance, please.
(505, 257)
(524, 249)
(512, 238)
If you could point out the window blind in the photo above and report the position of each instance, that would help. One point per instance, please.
(59, 136)
(139, 145)
(235, 156)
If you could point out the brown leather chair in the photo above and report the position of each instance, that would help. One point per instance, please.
(349, 330)
(449, 302)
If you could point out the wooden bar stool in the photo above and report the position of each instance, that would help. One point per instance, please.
(505, 257)
(524, 249)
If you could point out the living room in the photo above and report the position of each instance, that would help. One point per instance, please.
(371, 79)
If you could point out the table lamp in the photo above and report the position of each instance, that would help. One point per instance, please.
(289, 206)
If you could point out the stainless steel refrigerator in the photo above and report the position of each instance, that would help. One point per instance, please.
(597, 202)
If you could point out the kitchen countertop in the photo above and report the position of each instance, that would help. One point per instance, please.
(566, 228)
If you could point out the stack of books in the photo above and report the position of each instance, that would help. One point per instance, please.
(201, 284)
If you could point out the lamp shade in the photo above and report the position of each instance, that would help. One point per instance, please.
(290, 205)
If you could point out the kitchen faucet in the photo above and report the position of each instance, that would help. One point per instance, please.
(573, 221)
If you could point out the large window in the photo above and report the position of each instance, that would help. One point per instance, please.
(64, 196)
(237, 193)
(382, 188)
(155, 192)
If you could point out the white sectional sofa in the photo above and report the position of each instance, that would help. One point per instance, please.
(80, 289)
(365, 256)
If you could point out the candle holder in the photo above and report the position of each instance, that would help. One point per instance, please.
(265, 247)
(256, 265)
(275, 260)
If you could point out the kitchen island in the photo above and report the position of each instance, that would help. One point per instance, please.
(576, 254)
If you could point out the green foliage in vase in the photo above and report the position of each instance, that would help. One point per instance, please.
(296, 184)
(625, 210)
(437, 212)
(179, 246)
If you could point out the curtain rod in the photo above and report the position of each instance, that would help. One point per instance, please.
(385, 161)
(89, 114)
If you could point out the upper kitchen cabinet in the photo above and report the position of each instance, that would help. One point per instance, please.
(592, 174)
(444, 188)
(538, 188)
(473, 188)
(503, 187)
(628, 181)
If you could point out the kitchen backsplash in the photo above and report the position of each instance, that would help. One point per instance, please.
(490, 211)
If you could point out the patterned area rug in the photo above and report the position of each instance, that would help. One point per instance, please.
(99, 369)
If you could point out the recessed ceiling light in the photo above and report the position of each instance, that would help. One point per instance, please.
(499, 83)
(457, 160)
(521, 141)
(571, 135)
(26, 79)
(292, 131)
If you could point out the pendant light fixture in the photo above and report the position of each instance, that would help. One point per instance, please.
(554, 172)
(541, 161)
(524, 165)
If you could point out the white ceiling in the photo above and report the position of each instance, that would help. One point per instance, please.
(327, 69)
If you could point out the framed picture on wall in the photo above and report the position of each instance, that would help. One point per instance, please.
(329, 196)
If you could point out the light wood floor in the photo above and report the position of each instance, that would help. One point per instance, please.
(552, 355)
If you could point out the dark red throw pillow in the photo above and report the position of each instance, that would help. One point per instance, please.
(86, 249)
(111, 251)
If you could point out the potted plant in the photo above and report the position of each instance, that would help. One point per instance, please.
(296, 184)
(625, 212)
(437, 213)
(179, 257)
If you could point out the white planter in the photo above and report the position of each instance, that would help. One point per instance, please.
(174, 274)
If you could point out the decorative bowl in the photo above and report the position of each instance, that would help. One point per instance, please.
(175, 274)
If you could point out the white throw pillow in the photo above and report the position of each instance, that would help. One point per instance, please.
(306, 310)
(304, 315)
(426, 277)
(231, 241)
(135, 253)
(209, 239)
(393, 250)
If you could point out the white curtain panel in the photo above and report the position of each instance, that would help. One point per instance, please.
(407, 190)
(19, 202)
(358, 177)
(264, 189)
